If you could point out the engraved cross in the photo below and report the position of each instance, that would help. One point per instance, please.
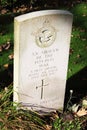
(42, 87)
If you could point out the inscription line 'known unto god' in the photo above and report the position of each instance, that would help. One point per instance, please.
(41, 51)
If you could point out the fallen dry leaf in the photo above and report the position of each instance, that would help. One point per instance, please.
(78, 56)
(11, 56)
(14, 10)
(0, 48)
(1, 120)
(7, 46)
(3, 11)
(0, 96)
(6, 65)
(71, 51)
(48, 127)
(81, 112)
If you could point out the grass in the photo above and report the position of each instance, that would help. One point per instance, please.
(10, 118)
(78, 57)
(6, 32)
(59, 124)
(6, 35)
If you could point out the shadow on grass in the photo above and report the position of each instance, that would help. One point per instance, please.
(8, 18)
(6, 77)
(77, 83)
(80, 15)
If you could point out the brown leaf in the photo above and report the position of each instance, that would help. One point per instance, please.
(0, 96)
(81, 112)
(3, 11)
(54, 115)
(6, 65)
(48, 127)
(4, 45)
(71, 51)
(11, 56)
(1, 49)
(78, 56)
(1, 120)
(14, 10)
(7, 46)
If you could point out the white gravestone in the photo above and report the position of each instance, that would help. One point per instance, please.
(41, 51)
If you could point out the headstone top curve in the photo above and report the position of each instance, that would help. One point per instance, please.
(41, 13)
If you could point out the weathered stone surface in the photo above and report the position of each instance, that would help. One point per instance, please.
(41, 52)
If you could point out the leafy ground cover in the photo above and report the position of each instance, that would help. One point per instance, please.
(10, 118)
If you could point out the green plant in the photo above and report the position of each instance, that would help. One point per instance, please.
(60, 124)
(11, 118)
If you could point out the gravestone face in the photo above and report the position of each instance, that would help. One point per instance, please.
(41, 52)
